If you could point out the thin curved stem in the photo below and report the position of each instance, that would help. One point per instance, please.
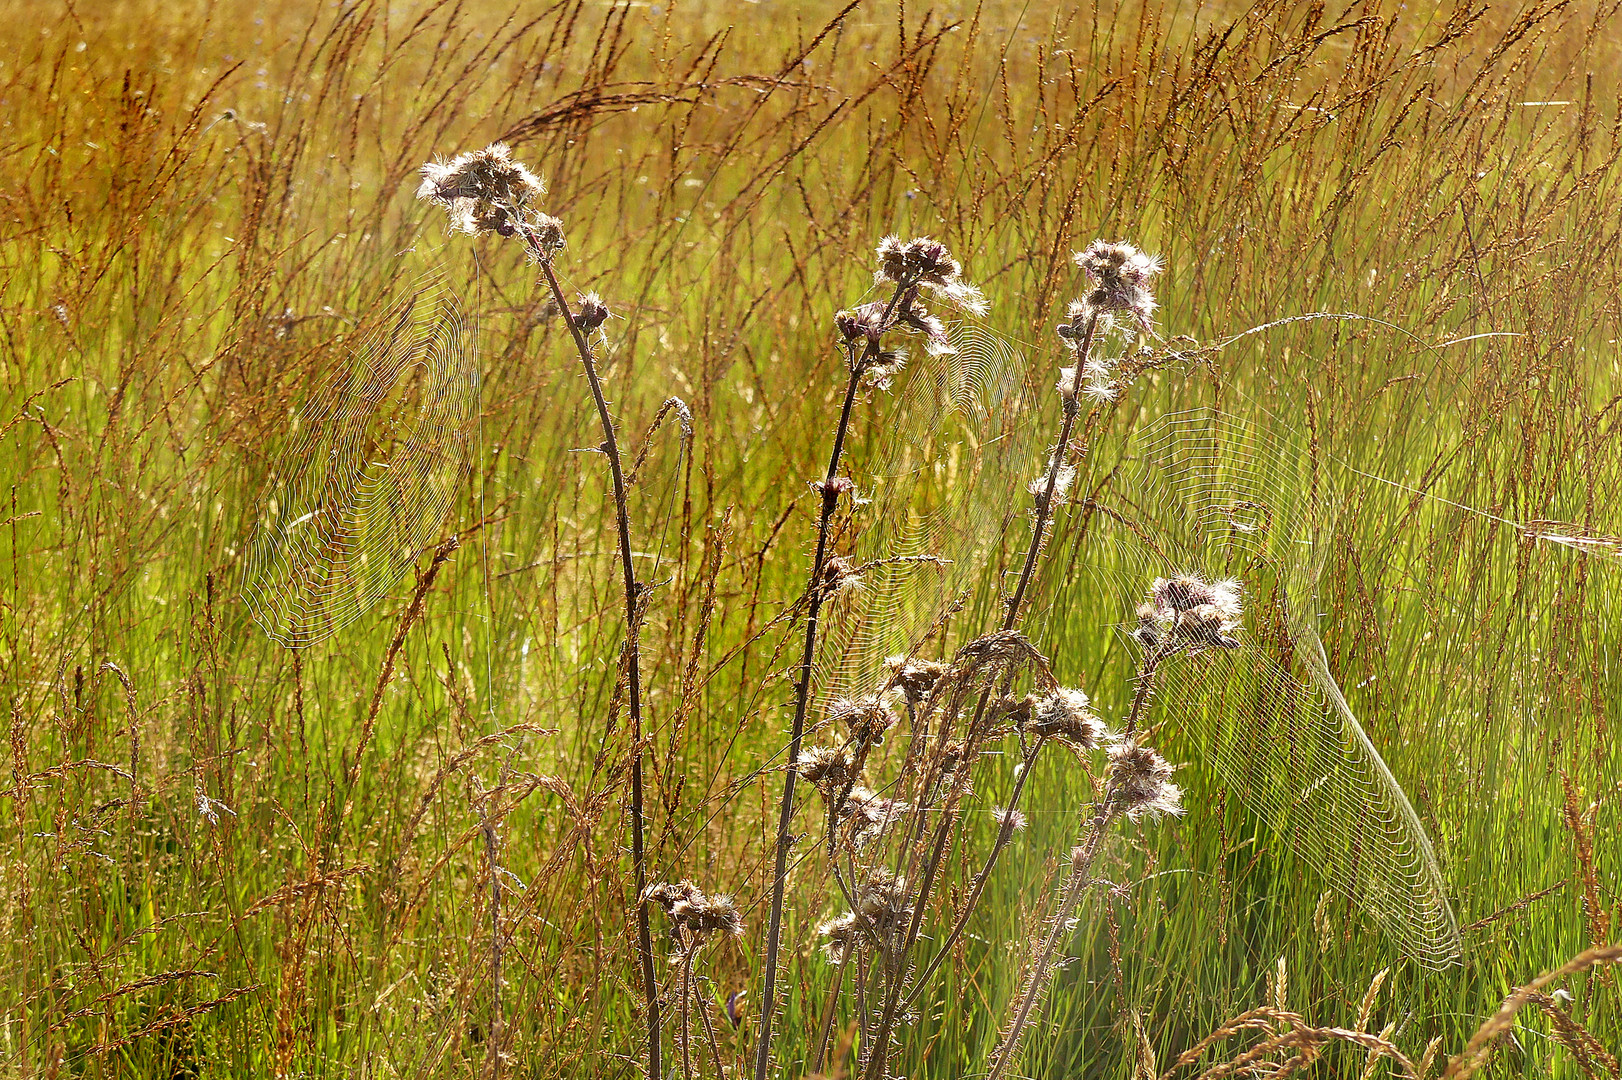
(610, 448)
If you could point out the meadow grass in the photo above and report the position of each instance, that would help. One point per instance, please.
(203, 205)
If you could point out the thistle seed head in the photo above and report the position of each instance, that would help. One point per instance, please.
(1120, 274)
(1064, 714)
(1187, 610)
(843, 935)
(865, 718)
(927, 263)
(865, 322)
(827, 769)
(870, 814)
(694, 916)
(483, 191)
(915, 678)
(882, 901)
(839, 575)
(1009, 821)
(591, 313)
(1061, 484)
(1142, 782)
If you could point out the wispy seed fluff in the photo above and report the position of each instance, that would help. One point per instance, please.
(484, 191)
(827, 769)
(927, 263)
(914, 678)
(1061, 483)
(693, 914)
(1120, 276)
(1065, 714)
(1142, 782)
(1188, 611)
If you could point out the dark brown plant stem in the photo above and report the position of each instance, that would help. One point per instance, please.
(802, 689)
(633, 677)
(1003, 836)
(1044, 512)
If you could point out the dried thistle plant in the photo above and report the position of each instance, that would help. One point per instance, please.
(866, 336)
(488, 192)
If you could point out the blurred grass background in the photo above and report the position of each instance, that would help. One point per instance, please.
(202, 204)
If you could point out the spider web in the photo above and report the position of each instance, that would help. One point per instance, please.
(1207, 493)
(1202, 493)
(372, 463)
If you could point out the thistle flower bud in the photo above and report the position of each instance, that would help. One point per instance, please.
(915, 678)
(1065, 714)
(1120, 274)
(1142, 782)
(591, 313)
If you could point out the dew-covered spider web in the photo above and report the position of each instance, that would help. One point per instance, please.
(945, 491)
(1206, 493)
(373, 461)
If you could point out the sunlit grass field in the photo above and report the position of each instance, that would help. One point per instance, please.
(223, 857)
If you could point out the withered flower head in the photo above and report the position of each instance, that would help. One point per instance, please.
(927, 263)
(839, 575)
(915, 678)
(1142, 782)
(591, 313)
(483, 191)
(1188, 611)
(1009, 821)
(842, 934)
(1120, 274)
(827, 769)
(693, 916)
(865, 718)
(865, 322)
(1062, 480)
(869, 814)
(882, 901)
(1065, 714)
